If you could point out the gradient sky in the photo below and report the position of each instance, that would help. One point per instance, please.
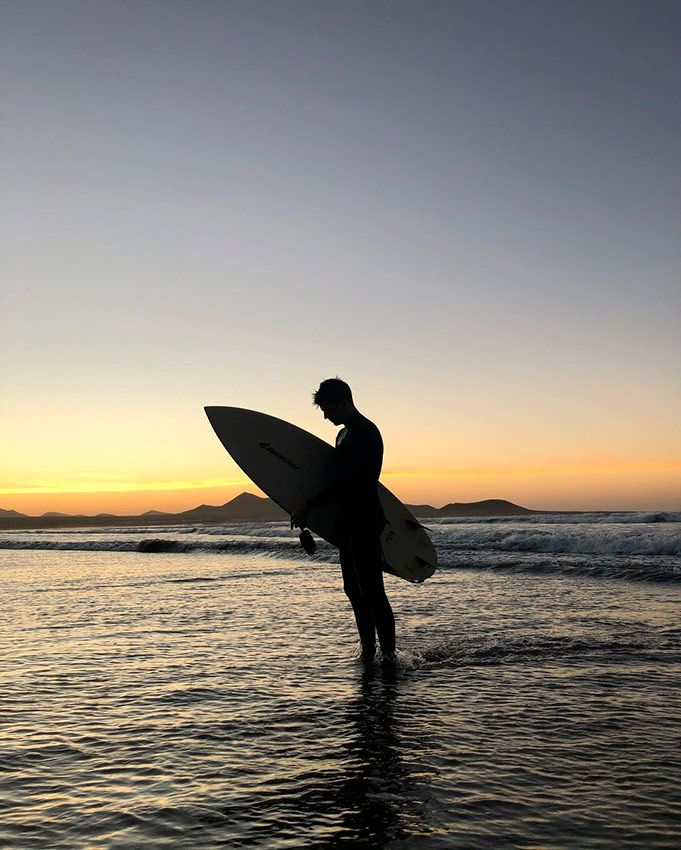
(471, 211)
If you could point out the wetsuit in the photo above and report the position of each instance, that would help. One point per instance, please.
(359, 456)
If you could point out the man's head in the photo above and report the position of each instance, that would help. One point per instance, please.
(334, 398)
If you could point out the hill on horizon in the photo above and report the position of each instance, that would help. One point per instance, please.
(245, 506)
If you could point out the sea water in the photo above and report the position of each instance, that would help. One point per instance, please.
(197, 687)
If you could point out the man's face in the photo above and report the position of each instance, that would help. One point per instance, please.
(334, 412)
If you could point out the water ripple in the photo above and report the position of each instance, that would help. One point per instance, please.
(196, 702)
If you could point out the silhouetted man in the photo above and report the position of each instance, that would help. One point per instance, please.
(359, 456)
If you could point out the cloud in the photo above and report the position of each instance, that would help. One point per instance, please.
(128, 486)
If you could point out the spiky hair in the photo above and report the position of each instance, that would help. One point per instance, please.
(332, 391)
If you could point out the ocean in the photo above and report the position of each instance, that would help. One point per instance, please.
(197, 687)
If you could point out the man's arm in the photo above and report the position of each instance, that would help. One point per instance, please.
(324, 497)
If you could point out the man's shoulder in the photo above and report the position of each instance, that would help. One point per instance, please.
(368, 427)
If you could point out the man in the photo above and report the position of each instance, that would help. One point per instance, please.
(359, 456)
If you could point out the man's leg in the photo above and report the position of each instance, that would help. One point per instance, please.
(368, 560)
(363, 616)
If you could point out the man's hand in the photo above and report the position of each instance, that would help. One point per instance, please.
(299, 518)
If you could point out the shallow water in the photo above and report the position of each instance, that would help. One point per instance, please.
(211, 699)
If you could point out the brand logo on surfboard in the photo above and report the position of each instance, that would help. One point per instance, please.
(287, 460)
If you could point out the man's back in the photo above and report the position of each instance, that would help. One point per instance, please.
(359, 457)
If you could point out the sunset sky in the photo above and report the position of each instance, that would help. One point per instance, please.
(470, 211)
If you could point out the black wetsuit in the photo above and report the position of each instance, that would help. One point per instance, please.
(359, 456)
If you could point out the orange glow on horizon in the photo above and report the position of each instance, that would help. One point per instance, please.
(582, 485)
(596, 467)
(126, 486)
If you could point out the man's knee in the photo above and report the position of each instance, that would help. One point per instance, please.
(350, 585)
(352, 590)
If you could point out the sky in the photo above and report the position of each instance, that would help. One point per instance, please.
(470, 211)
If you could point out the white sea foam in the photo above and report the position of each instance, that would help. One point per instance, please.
(597, 545)
(597, 539)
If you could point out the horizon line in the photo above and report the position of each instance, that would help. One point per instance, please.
(408, 504)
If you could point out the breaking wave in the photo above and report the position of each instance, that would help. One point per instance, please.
(560, 539)
(274, 548)
(568, 518)
(638, 547)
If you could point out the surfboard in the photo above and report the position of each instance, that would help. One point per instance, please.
(291, 465)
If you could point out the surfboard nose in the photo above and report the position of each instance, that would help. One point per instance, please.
(220, 413)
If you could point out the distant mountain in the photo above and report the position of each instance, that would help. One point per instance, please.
(4, 513)
(246, 506)
(487, 507)
(243, 507)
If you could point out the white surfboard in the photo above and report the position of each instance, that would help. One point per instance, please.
(291, 465)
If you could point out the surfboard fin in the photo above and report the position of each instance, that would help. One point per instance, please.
(414, 523)
(424, 562)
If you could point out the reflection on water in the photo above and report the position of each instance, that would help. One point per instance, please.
(205, 701)
(375, 784)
